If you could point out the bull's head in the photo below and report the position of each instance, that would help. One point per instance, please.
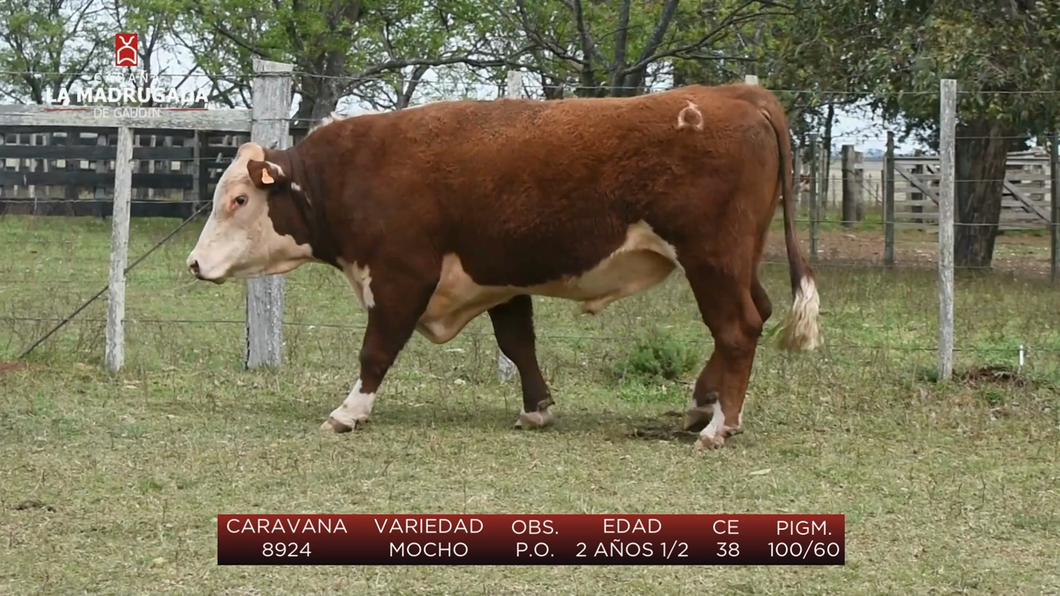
(252, 230)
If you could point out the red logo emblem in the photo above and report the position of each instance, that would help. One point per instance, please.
(126, 49)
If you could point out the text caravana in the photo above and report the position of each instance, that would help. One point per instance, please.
(308, 525)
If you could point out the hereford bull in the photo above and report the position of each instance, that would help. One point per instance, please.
(440, 213)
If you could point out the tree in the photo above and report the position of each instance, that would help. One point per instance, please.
(48, 46)
(377, 52)
(895, 51)
(622, 48)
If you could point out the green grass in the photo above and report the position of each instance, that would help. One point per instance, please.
(110, 483)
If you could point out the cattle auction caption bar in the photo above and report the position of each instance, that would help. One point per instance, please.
(538, 539)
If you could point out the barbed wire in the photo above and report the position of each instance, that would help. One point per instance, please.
(298, 123)
(485, 82)
(1027, 347)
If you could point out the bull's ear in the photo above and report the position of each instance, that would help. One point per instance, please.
(265, 173)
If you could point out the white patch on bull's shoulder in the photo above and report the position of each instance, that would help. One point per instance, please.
(799, 331)
(298, 188)
(642, 261)
(244, 243)
(361, 280)
(337, 117)
(333, 117)
(690, 117)
(355, 410)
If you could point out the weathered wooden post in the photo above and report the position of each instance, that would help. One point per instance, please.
(114, 355)
(849, 187)
(947, 173)
(271, 90)
(888, 202)
(815, 150)
(1054, 215)
(859, 185)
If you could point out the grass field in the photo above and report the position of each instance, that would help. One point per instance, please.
(109, 484)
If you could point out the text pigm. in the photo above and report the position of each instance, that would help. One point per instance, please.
(428, 525)
(802, 528)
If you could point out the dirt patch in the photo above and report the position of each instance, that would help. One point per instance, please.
(998, 375)
(1027, 255)
(6, 367)
(26, 505)
(666, 428)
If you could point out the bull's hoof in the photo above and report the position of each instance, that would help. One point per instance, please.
(538, 419)
(334, 426)
(716, 440)
(712, 442)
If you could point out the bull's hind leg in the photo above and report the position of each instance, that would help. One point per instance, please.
(398, 305)
(731, 311)
(513, 325)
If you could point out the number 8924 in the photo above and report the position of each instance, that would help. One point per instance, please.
(284, 549)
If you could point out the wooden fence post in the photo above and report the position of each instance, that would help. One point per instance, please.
(505, 367)
(859, 185)
(271, 90)
(114, 357)
(814, 158)
(947, 173)
(888, 202)
(1054, 216)
(848, 188)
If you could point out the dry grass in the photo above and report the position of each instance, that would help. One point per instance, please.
(110, 483)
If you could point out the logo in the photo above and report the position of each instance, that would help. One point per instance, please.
(126, 49)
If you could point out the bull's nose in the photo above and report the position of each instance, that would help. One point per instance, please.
(193, 266)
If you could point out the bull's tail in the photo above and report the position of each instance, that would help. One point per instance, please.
(799, 331)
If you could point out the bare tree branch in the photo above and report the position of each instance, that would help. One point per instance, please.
(621, 41)
(657, 35)
(717, 31)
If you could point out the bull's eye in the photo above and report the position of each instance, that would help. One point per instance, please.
(241, 200)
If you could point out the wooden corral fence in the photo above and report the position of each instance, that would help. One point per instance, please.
(60, 170)
(1026, 202)
(105, 167)
(67, 163)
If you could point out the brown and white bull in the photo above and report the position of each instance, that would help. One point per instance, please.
(440, 213)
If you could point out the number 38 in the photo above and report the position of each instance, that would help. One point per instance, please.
(728, 549)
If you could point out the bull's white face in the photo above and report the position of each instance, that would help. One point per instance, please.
(240, 238)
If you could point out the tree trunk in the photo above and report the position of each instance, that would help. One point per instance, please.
(318, 100)
(980, 171)
(825, 198)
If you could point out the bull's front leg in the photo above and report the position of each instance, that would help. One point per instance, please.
(397, 305)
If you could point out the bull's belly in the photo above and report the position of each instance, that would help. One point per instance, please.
(643, 261)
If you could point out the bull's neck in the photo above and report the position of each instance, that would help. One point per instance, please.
(310, 203)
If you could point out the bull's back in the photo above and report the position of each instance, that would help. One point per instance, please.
(553, 188)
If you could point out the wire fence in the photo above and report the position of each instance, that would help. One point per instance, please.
(871, 305)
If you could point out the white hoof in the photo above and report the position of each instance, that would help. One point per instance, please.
(539, 419)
